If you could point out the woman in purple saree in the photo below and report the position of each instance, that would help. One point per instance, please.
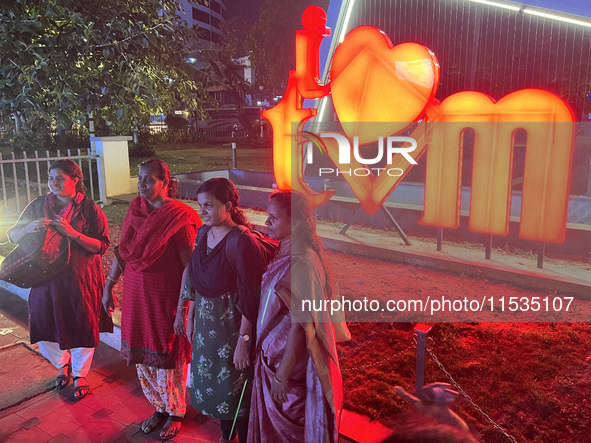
(297, 394)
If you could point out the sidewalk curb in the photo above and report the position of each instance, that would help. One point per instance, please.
(47, 389)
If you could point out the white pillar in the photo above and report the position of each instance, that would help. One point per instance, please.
(113, 165)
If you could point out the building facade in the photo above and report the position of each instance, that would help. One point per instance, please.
(207, 17)
(495, 47)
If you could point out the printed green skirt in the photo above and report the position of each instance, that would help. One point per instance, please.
(218, 388)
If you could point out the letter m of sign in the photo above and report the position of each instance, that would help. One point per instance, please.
(549, 124)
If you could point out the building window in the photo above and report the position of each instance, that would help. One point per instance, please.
(215, 37)
(216, 22)
(204, 34)
(216, 7)
(200, 16)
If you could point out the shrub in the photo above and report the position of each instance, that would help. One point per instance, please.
(176, 122)
(143, 148)
(138, 150)
(261, 142)
(27, 142)
(177, 136)
(73, 139)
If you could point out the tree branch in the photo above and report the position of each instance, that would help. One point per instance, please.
(130, 37)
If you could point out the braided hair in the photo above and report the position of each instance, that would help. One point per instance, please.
(224, 190)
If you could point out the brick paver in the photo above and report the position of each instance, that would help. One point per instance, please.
(112, 412)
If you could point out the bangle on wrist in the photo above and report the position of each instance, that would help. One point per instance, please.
(276, 380)
(181, 306)
(190, 319)
(111, 279)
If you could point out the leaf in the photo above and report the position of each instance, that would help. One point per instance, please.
(67, 62)
(108, 53)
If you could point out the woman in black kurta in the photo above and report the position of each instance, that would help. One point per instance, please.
(65, 312)
(225, 307)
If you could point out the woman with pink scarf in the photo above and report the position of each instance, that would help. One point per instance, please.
(297, 394)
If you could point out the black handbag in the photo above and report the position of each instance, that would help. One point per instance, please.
(37, 259)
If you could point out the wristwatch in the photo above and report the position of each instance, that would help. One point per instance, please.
(244, 337)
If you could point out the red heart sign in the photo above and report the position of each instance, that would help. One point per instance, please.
(374, 81)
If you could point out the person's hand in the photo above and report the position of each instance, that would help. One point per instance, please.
(278, 391)
(65, 228)
(179, 323)
(36, 226)
(190, 328)
(241, 355)
(108, 303)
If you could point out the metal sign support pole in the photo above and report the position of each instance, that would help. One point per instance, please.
(422, 332)
(392, 220)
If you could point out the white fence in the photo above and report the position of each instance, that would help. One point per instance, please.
(222, 132)
(24, 179)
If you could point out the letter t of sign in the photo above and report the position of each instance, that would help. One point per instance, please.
(303, 83)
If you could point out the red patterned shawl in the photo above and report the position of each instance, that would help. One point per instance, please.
(146, 231)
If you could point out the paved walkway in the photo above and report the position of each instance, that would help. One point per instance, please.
(115, 407)
(112, 412)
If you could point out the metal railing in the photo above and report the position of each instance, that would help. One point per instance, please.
(222, 132)
(24, 179)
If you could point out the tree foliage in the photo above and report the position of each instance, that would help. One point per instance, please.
(120, 59)
(225, 66)
(271, 42)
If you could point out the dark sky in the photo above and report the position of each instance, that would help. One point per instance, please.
(246, 9)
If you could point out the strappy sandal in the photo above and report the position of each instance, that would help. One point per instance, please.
(81, 390)
(164, 435)
(63, 380)
(152, 422)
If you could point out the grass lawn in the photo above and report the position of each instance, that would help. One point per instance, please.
(187, 158)
(533, 379)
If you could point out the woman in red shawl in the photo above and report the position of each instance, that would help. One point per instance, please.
(156, 245)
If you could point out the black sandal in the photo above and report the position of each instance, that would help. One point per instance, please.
(61, 381)
(171, 419)
(79, 393)
(152, 422)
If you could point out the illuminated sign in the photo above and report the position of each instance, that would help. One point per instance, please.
(374, 81)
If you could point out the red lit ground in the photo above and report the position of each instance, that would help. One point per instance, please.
(533, 379)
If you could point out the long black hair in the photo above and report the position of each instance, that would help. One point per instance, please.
(225, 191)
(72, 170)
(163, 172)
(298, 208)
